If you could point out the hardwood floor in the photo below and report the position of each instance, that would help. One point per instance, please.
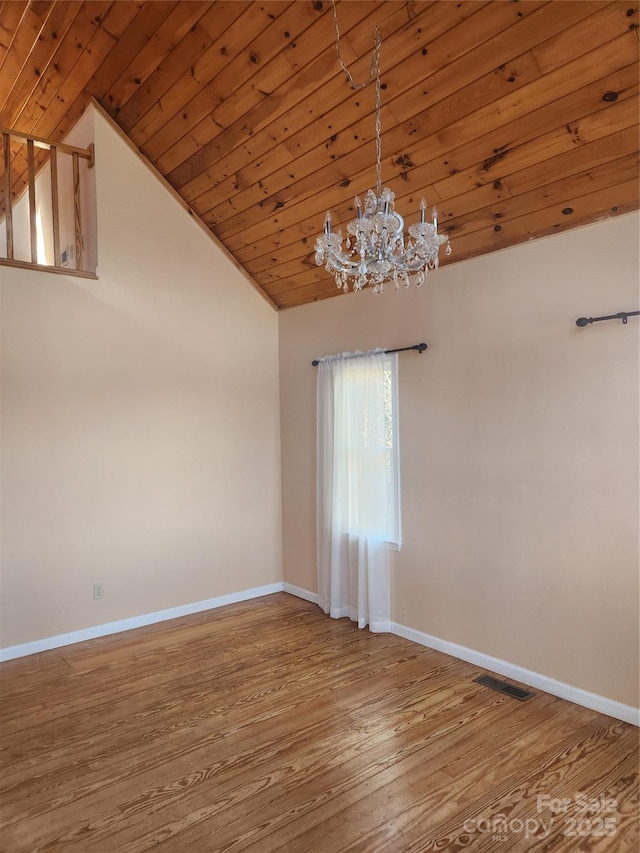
(267, 726)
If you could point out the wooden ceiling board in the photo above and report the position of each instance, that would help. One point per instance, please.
(295, 156)
(169, 34)
(49, 83)
(192, 96)
(465, 102)
(248, 125)
(338, 107)
(519, 119)
(451, 127)
(151, 93)
(11, 13)
(50, 37)
(139, 32)
(482, 160)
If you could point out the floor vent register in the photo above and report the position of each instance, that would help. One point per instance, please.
(504, 687)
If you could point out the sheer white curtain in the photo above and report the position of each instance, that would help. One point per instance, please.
(358, 507)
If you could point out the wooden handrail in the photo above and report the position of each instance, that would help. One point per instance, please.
(63, 148)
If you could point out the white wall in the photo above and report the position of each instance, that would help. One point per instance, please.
(519, 451)
(140, 422)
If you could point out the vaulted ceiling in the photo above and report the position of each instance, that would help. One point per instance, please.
(518, 119)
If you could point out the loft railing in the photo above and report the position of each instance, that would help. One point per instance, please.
(19, 177)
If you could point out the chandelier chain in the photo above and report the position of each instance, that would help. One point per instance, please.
(374, 67)
(378, 125)
(374, 74)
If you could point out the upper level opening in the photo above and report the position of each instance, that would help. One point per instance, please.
(47, 203)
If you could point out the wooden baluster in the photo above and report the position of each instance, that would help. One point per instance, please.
(55, 210)
(33, 234)
(76, 210)
(8, 219)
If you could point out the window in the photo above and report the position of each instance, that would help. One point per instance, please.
(368, 461)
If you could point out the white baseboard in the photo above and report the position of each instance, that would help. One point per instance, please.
(135, 622)
(593, 701)
(300, 593)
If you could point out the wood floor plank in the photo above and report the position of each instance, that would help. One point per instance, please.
(266, 726)
(175, 720)
(224, 783)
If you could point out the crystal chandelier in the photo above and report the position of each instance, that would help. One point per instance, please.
(377, 252)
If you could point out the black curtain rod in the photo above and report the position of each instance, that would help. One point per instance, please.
(418, 347)
(621, 315)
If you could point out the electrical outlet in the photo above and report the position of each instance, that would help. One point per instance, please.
(98, 590)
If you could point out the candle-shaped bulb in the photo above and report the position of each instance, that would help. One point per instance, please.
(327, 223)
(423, 209)
(358, 206)
(434, 214)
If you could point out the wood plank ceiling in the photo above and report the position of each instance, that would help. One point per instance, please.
(518, 119)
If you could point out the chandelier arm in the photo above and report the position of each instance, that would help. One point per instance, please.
(406, 264)
(336, 265)
(341, 262)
